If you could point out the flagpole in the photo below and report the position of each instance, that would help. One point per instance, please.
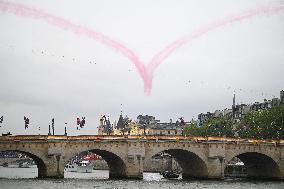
(52, 126)
(49, 130)
(65, 133)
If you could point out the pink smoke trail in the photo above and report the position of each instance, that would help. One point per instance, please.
(25, 11)
(146, 72)
(163, 54)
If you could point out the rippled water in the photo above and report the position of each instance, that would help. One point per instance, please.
(24, 178)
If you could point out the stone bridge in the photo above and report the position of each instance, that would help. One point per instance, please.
(127, 156)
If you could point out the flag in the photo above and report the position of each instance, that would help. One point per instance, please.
(182, 123)
(1, 119)
(27, 122)
(82, 124)
(78, 121)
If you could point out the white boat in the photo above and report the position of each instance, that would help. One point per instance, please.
(24, 165)
(81, 167)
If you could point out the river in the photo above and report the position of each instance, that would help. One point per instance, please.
(24, 178)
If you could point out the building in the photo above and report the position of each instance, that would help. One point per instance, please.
(202, 118)
(238, 111)
(147, 119)
(145, 125)
(165, 129)
(105, 127)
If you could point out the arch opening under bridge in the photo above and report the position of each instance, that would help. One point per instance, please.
(22, 160)
(256, 166)
(106, 163)
(191, 165)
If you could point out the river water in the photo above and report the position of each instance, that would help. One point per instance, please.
(24, 178)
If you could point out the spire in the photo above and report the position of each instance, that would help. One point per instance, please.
(120, 124)
(234, 101)
(234, 105)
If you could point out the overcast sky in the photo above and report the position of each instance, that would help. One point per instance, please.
(47, 71)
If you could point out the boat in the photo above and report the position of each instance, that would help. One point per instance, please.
(81, 167)
(24, 165)
(170, 174)
(5, 164)
(235, 169)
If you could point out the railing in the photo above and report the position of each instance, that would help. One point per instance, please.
(99, 138)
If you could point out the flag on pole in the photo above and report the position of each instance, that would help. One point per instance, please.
(1, 120)
(78, 121)
(182, 123)
(82, 122)
(52, 125)
(27, 122)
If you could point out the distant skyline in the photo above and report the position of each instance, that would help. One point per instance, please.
(47, 71)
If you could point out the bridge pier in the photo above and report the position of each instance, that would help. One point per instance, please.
(216, 167)
(134, 166)
(135, 160)
(281, 166)
(54, 167)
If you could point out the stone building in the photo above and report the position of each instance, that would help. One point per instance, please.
(164, 129)
(238, 111)
(105, 127)
(145, 125)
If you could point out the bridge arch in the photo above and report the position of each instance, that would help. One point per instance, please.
(193, 164)
(258, 165)
(117, 167)
(42, 170)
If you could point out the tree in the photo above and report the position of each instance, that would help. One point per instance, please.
(219, 127)
(263, 124)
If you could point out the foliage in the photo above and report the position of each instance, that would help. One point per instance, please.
(264, 124)
(212, 127)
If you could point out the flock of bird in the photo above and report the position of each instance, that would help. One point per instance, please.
(188, 83)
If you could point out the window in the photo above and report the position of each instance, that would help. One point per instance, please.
(169, 132)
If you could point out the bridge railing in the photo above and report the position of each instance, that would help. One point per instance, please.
(157, 138)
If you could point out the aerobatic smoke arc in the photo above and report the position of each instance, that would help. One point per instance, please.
(145, 71)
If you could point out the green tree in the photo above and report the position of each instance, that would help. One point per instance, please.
(219, 127)
(264, 124)
(193, 130)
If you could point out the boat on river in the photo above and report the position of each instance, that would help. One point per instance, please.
(170, 174)
(84, 166)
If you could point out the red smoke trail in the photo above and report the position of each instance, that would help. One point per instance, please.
(146, 72)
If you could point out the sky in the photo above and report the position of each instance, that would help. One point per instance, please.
(92, 63)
